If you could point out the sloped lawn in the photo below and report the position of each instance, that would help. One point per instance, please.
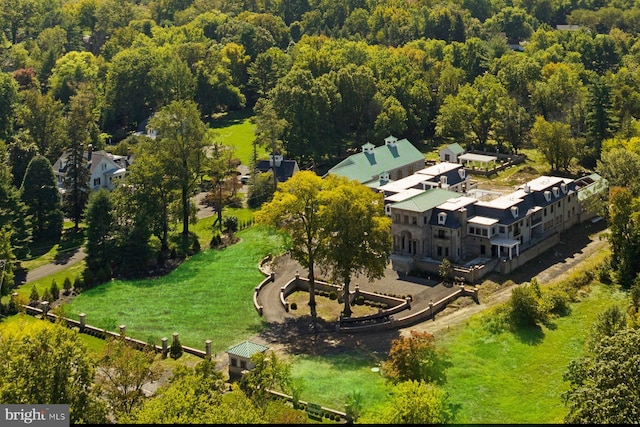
(501, 378)
(208, 297)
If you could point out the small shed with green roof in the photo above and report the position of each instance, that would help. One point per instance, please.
(240, 357)
(451, 152)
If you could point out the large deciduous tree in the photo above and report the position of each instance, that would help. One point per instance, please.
(8, 100)
(122, 372)
(182, 137)
(40, 193)
(624, 225)
(152, 189)
(295, 208)
(44, 362)
(554, 140)
(357, 232)
(41, 116)
(604, 386)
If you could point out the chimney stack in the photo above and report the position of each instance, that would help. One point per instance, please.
(89, 152)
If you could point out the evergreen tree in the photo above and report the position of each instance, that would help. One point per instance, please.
(66, 285)
(600, 120)
(40, 194)
(76, 183)
(13, 214)
(54, 290)
(34, 297)
(99, 219)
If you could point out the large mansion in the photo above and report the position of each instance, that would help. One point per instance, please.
(438, 212)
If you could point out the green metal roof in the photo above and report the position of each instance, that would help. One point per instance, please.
(364, 167)
(599, 183)
(247, 349)
(456, 148)
(426, 201)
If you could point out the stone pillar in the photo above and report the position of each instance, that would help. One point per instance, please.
(273, 276)
(175, 338)
(165, 347)
(45, 308)
(431, 310)
(123, 329)
(83, 321)
(207, 347)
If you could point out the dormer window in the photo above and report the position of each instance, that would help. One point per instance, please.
(547, 195)
(443, 180)
(462, 173)
(368, 148)
(390, 141)
(563, 187)
(556, 191)
(442, 218)
(514, 211)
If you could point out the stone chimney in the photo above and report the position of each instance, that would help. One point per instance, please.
(89, 152)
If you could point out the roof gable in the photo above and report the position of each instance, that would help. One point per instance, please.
(425, 201)
(247, 349)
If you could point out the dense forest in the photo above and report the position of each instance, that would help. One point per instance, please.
(321, 77)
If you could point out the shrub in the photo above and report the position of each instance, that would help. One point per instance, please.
(66, 285)
(333, 295)
(78, 285)
(360, 300)
(88, 278)
(196, 246)
(34, 297)
(54, 290)
(556, 302)
(46, 295)
(293, 306)
(101, 277)
(523, 306)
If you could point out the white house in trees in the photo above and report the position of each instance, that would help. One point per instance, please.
(106, 169)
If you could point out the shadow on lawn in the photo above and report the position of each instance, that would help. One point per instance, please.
(231, 118)
(298, 336)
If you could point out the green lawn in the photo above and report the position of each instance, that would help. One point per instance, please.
(237, 130)
(208, 297)
(510, 378)
(329, 380)
(495, 379)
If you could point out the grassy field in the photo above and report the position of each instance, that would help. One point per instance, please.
(495, 378)
(236, 129)
(207, 297)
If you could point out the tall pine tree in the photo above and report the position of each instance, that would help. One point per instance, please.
(13, 214)
(40, 193)
(80, 124)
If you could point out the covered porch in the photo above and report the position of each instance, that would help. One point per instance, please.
(477, 161)
(504, 247)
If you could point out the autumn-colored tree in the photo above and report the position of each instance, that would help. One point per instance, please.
(416, 358)
(295, 208)
(356, 232)
(49, 363)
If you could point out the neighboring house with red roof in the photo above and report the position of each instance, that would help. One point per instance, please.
(106, 169)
